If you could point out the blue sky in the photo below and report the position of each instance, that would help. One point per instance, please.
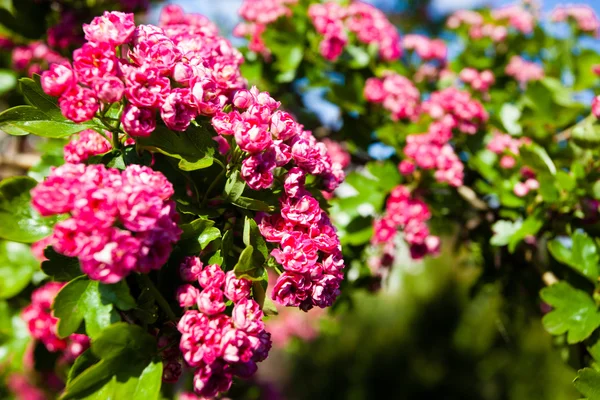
(225, 11)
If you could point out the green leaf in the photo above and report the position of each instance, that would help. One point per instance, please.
(503, 231)
(194, 148)
(359, 57)
(575, 312)
(536, 157)
(193, 229)
(582, 257)
(587, 383)
(509, 115)
(253, 237)
(23, 120)
(35, 96)
(117, 294)
(8, 81)
(82, 300)
(59, 267)
(530, 227)
(586, 134)
(208, 235)
(585, 77)
(234, 187)
(20, 223)
(126, 368)
(17, 266)
(246, 266)
(252, 204)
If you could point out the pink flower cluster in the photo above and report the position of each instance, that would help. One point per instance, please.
(524, 71)
(522, 189)
(84, 145)
(179, 71)
(396, 93)
(257, 14)
(272, 138)
(66, 33)
(507, 147)
(477, 28)
(100, 201)
(309, 249)
(520, 18)
(427, 49)
(42, 325)
(583, 15)
(369, 24)
(35, 58)
(451, 110)
(217, 345)
(171, 357)
(596, 107)
(455, 109)
(480, 81)
(409, 214)
(23, 389)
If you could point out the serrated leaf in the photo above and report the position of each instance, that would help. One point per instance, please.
(529, 227)
(587, 383)
(194, 148)
(582, 257)
(574, 312)
(59, 267)
(35, 96)
(117, 294)
(509, 115)
(126, 368)
(81, 300)
(503, 231)
(17, 266)
(20, 222)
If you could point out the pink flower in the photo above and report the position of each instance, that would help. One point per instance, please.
(178, 111)
(190, 269)
(521, 189)
(116, 260)
(78, 104)
(84, 145)
(291, 289)
(210, 300)
(236, 289)
(257, 170)
(145, 87)
(303, 211)
(138, 121)
(114, 28)
(212, 275)
(93, 61)
(57, 80)
(109, 89)
(187, 295)
(283, 126)
(596, 107)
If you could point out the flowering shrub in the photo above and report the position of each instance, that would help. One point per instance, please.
(181, 187)
(493, 148)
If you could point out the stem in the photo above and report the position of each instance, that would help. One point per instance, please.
(147, 282)
(212, 186)
(115, 139)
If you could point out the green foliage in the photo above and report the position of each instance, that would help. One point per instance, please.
(20, 223)
(126, 367)
(582, 257)
(17, 266)
(85, 300)
(575, 312)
